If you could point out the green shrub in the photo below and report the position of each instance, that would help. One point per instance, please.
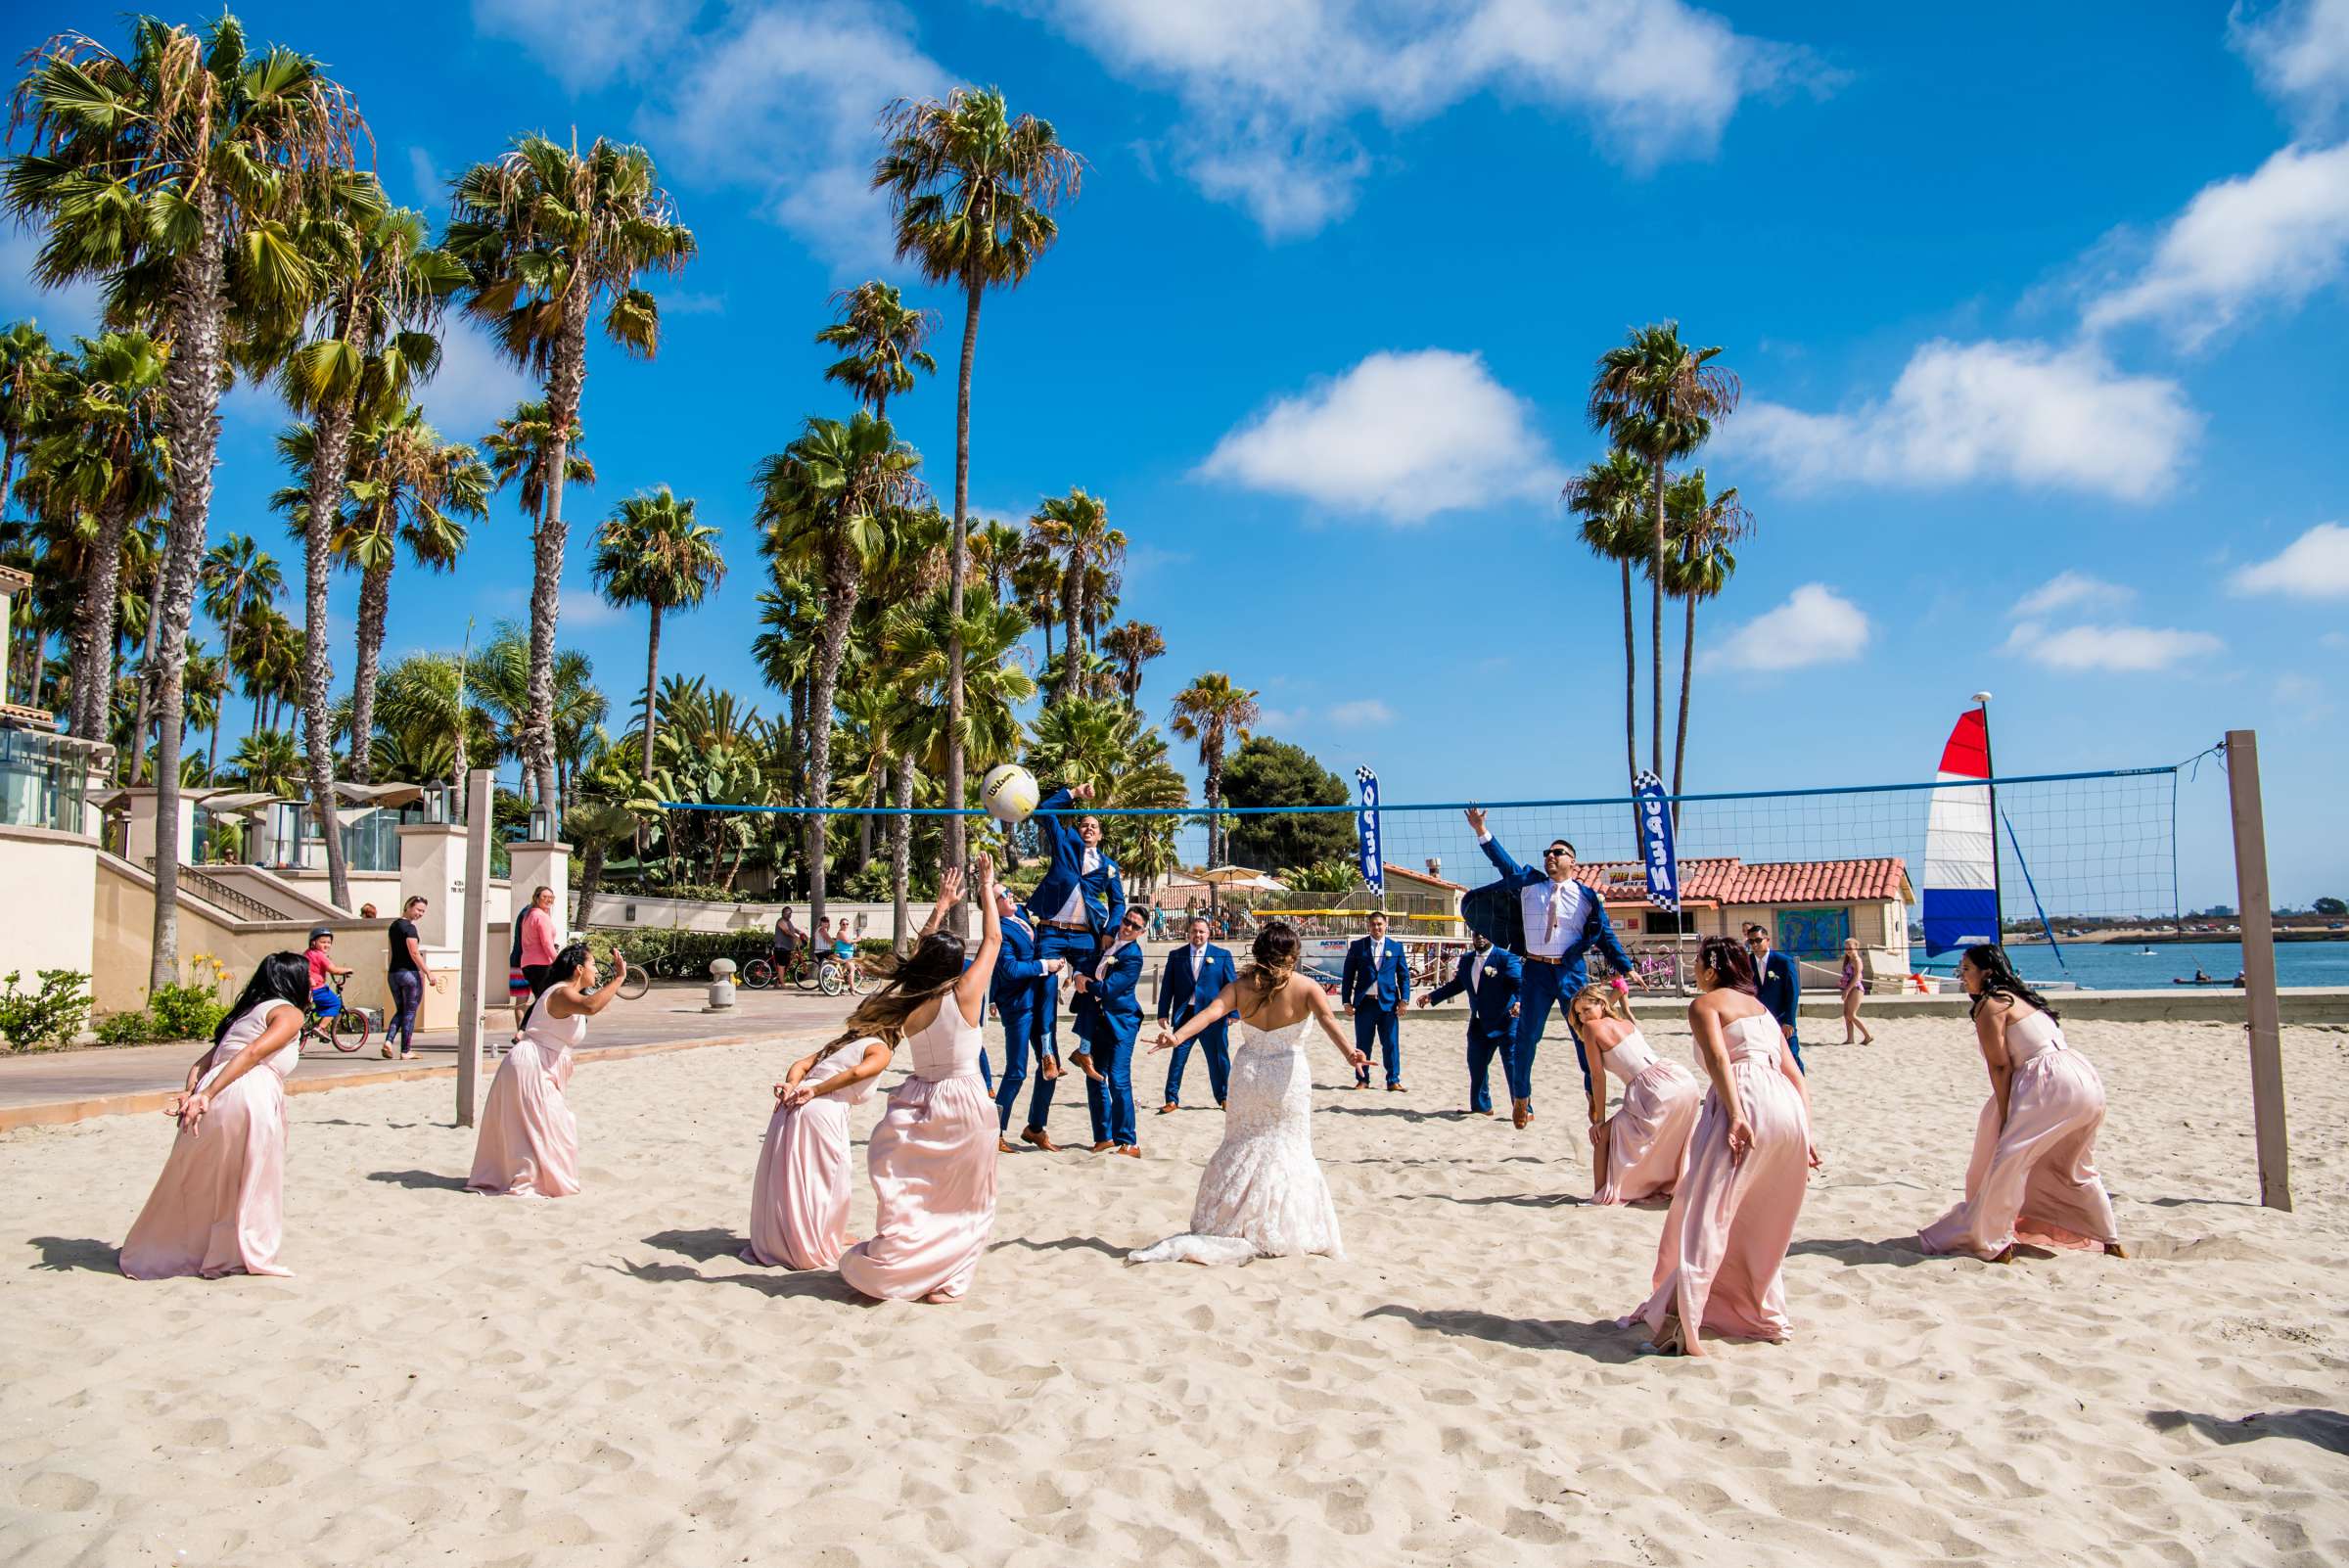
(127, 1029)
(185, 1012)
(53, 1013)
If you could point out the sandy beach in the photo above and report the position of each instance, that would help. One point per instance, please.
(452, 1379)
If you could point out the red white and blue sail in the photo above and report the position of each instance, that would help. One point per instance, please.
(1960, 891)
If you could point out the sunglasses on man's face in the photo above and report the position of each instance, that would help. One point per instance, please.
(1557, 855)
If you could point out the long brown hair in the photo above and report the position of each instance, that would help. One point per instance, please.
(1275, 957)
(929, 971)
(1731, 965)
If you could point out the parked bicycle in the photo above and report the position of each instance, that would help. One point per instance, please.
(830, 975)
(346, 1031)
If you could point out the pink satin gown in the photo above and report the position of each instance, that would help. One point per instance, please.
(529, 1142)
(800, 1197)
(2035, 1178)
(933, 1164)
(1648, 1138)
(219, 1206)
(1724, 1249)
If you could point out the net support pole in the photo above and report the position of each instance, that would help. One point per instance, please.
(473, 941)
(2263, 1018)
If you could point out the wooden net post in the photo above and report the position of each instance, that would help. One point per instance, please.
(473, 941)
(2263, 1019)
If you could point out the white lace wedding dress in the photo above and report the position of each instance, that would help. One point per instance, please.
(1262, 1195)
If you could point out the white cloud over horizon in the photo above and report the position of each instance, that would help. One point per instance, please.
(2265, 239)
(1402, 436)
(1270, 94)
(1815, 625)
(2299, 51)
(2014, 411)
(475, 386)
(2068, 588)
(1361, 713)
(2314, 566)
(2116, 650)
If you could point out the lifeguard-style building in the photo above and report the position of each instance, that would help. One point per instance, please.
(1808, 907)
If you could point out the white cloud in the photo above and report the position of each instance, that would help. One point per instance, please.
(1815, 625)
(431, 187)
(1277, 720)
(1361, 713)
(2300, 52)
(2067, 589)
(1270, 93)
(475, 386)
(2018, 411)
(586, 43)
(2269, 238)
(1402, 434)
(2114, 649)
(687, 302)
(582, 608)
(2314, 566)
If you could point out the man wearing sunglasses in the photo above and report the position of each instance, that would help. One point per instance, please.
(1553, 923)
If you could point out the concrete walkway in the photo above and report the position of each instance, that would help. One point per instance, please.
(51, 1087)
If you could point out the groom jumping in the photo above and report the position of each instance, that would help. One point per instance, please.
(1078, 904)
(1551, 924)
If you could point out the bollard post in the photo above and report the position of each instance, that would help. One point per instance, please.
(2263, 1019)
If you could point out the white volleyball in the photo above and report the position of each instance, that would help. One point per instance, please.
(1008, 793)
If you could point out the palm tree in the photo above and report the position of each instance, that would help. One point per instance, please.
(423, 707)
(1210, 711)
(206, 682)
(268, 763)
(1657, 397)
(652, 552)
(577, 720)
(1106, 744)
(99, 448)
(235, 575)
(883, 337)
(792, 612)
(996, 552)
(154, 168)
(1611, 499)
(827, 502)
(379, 287)
(1076, 527)
(1035, 585)
(25, 356)
(972, 189)
(408, 487)
(519, 450)
(547, 234)
(1700, 566)
(1133, 644)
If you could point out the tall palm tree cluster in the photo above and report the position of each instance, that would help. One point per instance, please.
(1657, 401)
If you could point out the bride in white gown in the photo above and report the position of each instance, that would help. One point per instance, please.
(1262, 1195)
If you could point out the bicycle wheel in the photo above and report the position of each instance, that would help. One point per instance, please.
(350, 1031)
(758, 974)
(637, 985)
(830, 980)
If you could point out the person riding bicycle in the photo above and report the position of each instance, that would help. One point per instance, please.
(784, 946)
(325, 999)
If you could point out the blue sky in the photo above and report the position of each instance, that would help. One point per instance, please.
(2038, 325)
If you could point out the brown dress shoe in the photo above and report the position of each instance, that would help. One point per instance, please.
(1169, 1109)
(1101, 1147)
(1129, 1148)
(1084, 1062)
(1006, 1146)
(1051, 1069)
(1040, 1138)
(1394, 1088)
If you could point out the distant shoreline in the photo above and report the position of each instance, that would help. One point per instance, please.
(2174, 937)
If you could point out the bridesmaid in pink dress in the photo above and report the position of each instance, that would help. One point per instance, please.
(1641, 1151)
(800, 1197)
(933, 1157)
(2033, 1176)
(219, 1206)
(1724, 1249)
(528, 1145)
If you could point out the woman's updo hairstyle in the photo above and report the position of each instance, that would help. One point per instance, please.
(1274, 956)
(1731, 965)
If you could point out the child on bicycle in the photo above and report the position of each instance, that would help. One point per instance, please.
(325, 999)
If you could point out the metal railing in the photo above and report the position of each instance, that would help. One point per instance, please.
(219, 893)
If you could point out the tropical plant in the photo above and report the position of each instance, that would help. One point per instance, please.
(1658, 397)
(1610, 496)
(1089, 740)
(1076, 529)
(427, 726)
(1211, 710)
(1699, 567)
(521, 449)
(99, 449)
(1264, 771)
(235, 575)
(1133, 644)
(167, 172)
(206, 683)
(548, 233)
(652, 552)
(26, 357)
(268, 763)
(883, 337)
(827, 502)
(972, 189)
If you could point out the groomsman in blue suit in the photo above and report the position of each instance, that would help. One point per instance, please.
(1490, 978)
(1080, 903)
(1551, 922)
(1021, 983)
(1778, 986)
(1376, 988)
(1108, 1017)
(1196, 974)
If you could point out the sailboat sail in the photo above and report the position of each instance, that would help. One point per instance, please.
(1960, 891)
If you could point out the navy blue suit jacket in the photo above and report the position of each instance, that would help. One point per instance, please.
(1495, 994)
(1104, 890)
(1597, 930)
(1781, 989)
(1112, 999)
(1181, 994)
(1387, 982)
(1013, 987)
